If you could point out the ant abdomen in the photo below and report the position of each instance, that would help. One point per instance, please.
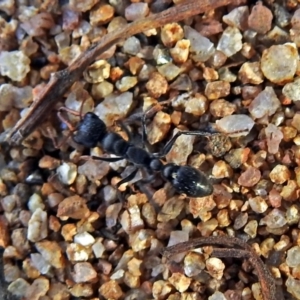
(188, 180)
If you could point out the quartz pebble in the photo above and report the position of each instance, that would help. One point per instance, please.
(18, 287)
(293, 257)
(258, 204)
(14, 64)
(136, 11)
(292, 90)
(132, 46)
(84, 272)
(37, 226)
(235, 125)
(67, 173)
(238, 17)
(230, 42)
(264, 104)
(51, 252)
(249, 177)
(38, 288)
(74, 207)
(282, 70)
(274, 137)
(280, 174)
(112, 108)
(274, 219)
(260, 18)
(201, 47)
(215, 267)
(217, 89)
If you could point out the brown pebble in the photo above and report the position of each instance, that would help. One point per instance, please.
(260, 19)
(249, 177)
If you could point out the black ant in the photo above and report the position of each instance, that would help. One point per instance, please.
(91, 130)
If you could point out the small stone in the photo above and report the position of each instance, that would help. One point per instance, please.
(240, 221)
(67, 173)
(102, 90)
(180, 52)
(293, 287)
(238, 17)
(101, 14)
(37, 226)
(98, 248)
(79, 6)
(85, 239)
(265, 103)
(274, 137)
(249, 177)
(112, 108)
(293, 257)
(18, 287)
(170, 210)
(169, 71)
(292, 90)
(136, 11)
(38, 288)
(215, 267)
(49, 162)
(180, 282)
(258, 204)
(84, 272)
(281, 70)
(76, 252)
(274, 219)
(51, 252)
(161, 289)
(126, 83)
(97, 72)
(111, 290)
(250, 73)
(158, 128)
(81, 290)
(217, 89)
(157, 85)
(221, 108)
(217, 296)
(170, 34)
(74, 207)
(132, 46)
(260, 19)
(194, 263)
(230, 42)
(235, 125)
(280, 174)
(14, 64)
(222, 170)
(201, 47)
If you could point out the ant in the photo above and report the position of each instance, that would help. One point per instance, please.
(91, 130)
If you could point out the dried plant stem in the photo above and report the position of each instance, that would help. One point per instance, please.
(233, 247)
(61, 81)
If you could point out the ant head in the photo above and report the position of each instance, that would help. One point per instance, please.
(90, 130)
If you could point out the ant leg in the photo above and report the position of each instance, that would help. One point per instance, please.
(127, 178)
(171, 142)
(125, 128)
(108, 159)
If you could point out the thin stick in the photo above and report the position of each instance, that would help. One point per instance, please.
(61, 81)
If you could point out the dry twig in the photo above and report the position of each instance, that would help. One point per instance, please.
(233, 247)
(61, 81)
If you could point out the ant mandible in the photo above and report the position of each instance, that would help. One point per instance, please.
(91, 130)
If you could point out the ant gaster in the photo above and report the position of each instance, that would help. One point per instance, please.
(91, 130)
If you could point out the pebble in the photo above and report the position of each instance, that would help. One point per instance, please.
(102, 90)
(265, 103)
(249, 177)
(97, 72)
(14, 64)
(217, 296)
(230, 42)
(280, 174)
(111, 290)
(292, 90)
(113, 107)
(84, 272)
(170, 210)
(293, 257)
(85, 239)
(169, 71)
(240, 221)
(158, 128)
(215, 267)
(157, 85)
(282, 70)
(67, 173)
(76, 252)
(260, 18)
(79, 6)
(51, 252)
(132, 46)
(136, 11)
(201, 47)
(274, 219)
(101, 14)
(180, 52)
(180, 282)
(171, 34)
(258, 204)
(82, 290)
(238, 17)
(235, 125)
(293, 286)
(94, 169)
(126, 83)
(222, 108)
(38, 289)
(18, 287)
(196, 104)
(74, 207)
(217, 89)
(40, 263)
(274, 136)
(37, 226)
(222, 170)
(250, 72)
